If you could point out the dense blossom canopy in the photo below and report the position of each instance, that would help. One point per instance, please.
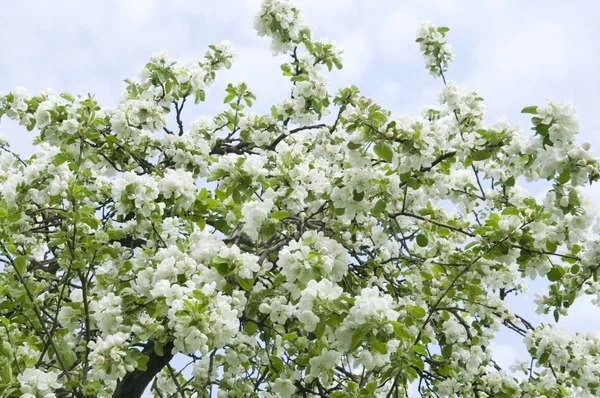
(328, 248)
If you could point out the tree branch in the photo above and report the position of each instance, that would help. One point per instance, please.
(134, 384)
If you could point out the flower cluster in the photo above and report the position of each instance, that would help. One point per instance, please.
(313, 256)
(284, 23)
(572, 357)
(436, 51)
(110, 359)
(36, 383)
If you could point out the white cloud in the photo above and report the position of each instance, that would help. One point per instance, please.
(358, 57)
(505, 355)
(395, 35)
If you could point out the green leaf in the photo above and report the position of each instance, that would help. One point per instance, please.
(158, 348)
(575, 269)
(160, 306)
(289, 336)
(413, 183)
(419, 349)
(286, 67)
(512, 211)
(229, 97)
(556, 273)
(384, 150)
(14, 216)
(320, 329)
(66, 353)
(358, 196)
(437, 270)
(217, 174)
(353, 145)
(556, 315)
(251, 328)
(401, 331)
(268, 229)
(447, 351)
(564, 177)
(225, 269)
(276, 363)
(116, 234)
(300, 78)
(359, 335)
(280, 215)
(201, 223)
(443, 232)
(379, 347)
(481, 155)
(67, 96)
(371, 387)
(200, 96)
(237, 197)
(21, 264)
(422, 240)
(416, 311)
(245, 283)
(551, 246)
(379, 207)
(141, 363)
(378, 117)
(73, 383)
(126, 266)
(530, 109)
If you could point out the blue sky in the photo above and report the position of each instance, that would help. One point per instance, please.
(515, 53)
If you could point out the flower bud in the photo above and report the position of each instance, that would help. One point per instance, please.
(5, 349)
(264, 308)
(586, 146)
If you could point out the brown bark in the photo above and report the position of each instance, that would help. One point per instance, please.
(135, 383)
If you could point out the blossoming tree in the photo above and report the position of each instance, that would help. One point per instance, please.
(358, 254)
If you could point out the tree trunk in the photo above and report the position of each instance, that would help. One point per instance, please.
(134, 384)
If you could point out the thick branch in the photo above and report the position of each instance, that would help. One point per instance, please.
(134, 384)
